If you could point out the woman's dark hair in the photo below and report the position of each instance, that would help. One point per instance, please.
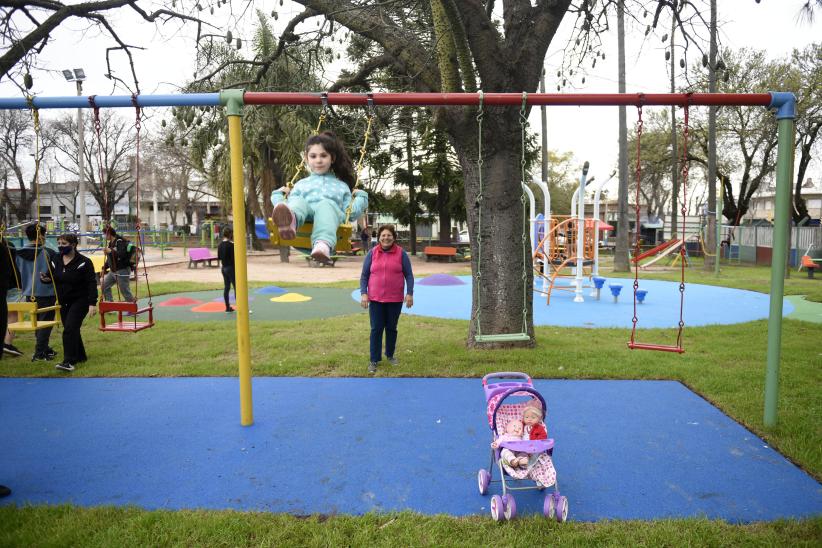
(33, 230)
(70, 238)
(228, 232)
(389, 228)
(109, 231)
(341, 162)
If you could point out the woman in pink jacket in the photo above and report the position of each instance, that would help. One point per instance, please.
(386, 281)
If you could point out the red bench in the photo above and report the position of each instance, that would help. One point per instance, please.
(197, 255)
(449, 253)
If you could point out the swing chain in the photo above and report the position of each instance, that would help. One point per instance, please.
(637, 249)
(477, 286)
(363, 151)
(523, 122)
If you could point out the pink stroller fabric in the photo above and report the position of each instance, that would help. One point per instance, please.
(542, 471)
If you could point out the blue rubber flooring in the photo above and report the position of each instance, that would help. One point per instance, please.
(624, 449)
(704, 305)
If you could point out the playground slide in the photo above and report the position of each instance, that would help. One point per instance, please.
(665, 253)
(654, 250)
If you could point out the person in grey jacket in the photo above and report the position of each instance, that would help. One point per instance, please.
(32, 260)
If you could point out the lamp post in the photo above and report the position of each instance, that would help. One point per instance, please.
(78, 76)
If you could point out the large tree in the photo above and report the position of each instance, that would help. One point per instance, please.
(18, 143)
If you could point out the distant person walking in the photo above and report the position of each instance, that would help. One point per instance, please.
(225, 253)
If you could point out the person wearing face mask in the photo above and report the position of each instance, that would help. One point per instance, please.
(77, 289)
(386, 271)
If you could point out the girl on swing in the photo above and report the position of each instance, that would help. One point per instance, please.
(322, 197)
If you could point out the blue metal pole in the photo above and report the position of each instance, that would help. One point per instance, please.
(111, 101)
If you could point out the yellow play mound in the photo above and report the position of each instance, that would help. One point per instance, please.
(291, 298)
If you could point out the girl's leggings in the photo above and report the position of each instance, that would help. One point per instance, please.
(228, 281)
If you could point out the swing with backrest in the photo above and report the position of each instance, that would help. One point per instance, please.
(131, 317)
(633, 344)
(302, 239)
(29, 311)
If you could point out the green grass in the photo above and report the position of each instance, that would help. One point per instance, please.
(724, 364)
(105, 527)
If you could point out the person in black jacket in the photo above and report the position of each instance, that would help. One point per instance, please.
(77, 290)
(225, 253)
(6, 279)
(121, 259)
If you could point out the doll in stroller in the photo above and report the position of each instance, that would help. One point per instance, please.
(510, 396)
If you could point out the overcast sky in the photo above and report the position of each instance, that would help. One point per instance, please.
(590, 133)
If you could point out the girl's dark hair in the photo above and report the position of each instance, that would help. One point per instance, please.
(389, 228)
(228, 232)
(70, 238)
(109, 230)
(341, 163)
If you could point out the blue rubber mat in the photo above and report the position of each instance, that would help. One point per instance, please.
(704, 305)
(624, 449)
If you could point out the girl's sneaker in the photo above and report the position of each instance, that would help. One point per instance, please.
(285, 220)
(321, 252)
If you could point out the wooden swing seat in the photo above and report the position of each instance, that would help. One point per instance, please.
(303, 238)
(27, 316)
(129, 309)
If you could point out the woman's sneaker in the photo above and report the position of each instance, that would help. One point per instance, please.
(321, 252)
(65, 366)
(372, 367)
(285, 220)
(11, 350)
(393, 361)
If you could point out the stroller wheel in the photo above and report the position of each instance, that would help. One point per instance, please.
(548, 509)
(483, 479)
(496, 508)
(562, 509)
(509, 507)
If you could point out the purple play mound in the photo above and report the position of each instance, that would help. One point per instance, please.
(441, 279)
(269, 289)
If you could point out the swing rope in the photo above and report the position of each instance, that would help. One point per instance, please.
(632, 344)
(298, 169)
(363, 149)
(502, 337)
(35, 114)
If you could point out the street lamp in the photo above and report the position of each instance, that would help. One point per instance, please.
(78, 76)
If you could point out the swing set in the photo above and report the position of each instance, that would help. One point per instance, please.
(784, 104)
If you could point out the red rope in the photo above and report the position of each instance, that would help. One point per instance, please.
(633, 345)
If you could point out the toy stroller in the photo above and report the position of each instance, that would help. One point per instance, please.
(507, 394)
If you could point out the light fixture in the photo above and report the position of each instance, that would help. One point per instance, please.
(79, 74)
(69, 75)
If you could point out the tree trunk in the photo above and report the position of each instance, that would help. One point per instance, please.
(710, 239)
(497, 247)
(621, 251)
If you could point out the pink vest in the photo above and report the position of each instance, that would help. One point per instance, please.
(386, 283)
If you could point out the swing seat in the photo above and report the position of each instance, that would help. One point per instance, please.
(129, 309)
(658, 347)
(27, 316)
(303, 238)
(502, 337)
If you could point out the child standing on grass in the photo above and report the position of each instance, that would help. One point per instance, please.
(322, 197)
(225, 253)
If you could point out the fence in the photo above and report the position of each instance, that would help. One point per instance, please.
(753, 244)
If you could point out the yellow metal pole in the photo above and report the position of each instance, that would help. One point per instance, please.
(233, 100)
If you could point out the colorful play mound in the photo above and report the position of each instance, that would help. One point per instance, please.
(291, 298)
(210, 307)
(441, 279)
(270, 289)
(180, 301)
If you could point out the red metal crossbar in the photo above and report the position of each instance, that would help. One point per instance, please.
(469, 99)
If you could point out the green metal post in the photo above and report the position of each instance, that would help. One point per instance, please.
(786, 104)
